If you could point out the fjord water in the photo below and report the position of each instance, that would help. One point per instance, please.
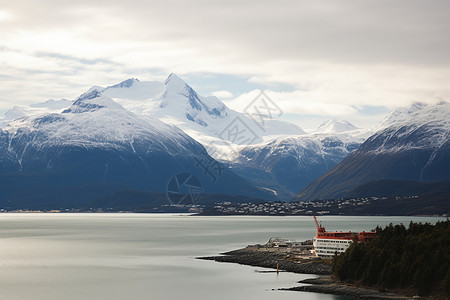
(150, 256)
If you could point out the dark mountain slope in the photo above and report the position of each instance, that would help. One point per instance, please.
(416, 148)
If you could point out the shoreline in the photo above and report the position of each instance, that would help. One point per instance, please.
(267, 259)
(292, 262)
(326, 285)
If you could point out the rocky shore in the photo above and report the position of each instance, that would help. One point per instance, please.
(293, 262)
(254, 256)
(325, 285)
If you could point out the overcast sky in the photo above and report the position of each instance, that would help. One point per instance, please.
(351, 60)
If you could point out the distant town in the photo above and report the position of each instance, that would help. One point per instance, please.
(288, 208)
(373, 206)
(353, 206)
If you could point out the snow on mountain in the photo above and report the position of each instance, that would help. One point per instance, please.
(128, 118)
(172, 101)
(131, 117)
(49, 106)
(94, 119)
(294, 162)
(53, 105)
(415, 147)
(134, 89)
(421, 127)
(206, 119)
(400, 114)
(277, 128)
(335, 126)
(96, 147)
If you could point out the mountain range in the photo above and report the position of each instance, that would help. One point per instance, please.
(138, 136)
(206, 119)
(95, 147)
(288, 164)
(274, 155)
(415, 146)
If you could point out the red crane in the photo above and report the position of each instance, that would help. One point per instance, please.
(319, 227)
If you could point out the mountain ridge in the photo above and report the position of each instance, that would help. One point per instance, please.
(99, 143)
(416, 148)
(279, 158)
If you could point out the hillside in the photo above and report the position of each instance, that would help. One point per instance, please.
(415, 147)
(289, 164)
(96, 148)
(414, 259)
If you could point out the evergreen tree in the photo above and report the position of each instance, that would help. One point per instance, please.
(417, 258)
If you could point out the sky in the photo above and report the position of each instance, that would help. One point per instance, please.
(341, 59)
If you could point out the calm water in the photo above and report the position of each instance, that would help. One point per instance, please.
(147, 256)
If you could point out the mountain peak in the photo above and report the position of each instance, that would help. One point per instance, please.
(91, 101)
(124, 84)
(401, 113)
(53, 104)
(91, 94)
(336, 126)
(14, 113)
(174, 81)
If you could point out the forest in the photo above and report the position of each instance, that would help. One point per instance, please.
(414, 259)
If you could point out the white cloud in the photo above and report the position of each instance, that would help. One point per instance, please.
(5, 15)
(296, 102)
(223, 94)
(333, 56)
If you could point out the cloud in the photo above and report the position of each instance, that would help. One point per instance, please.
(323, 57)
(5, 15)
(408, 31)
(223, 94)
(296, 102)
(85, 61)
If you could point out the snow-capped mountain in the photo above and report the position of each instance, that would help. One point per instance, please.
(123, 129)
(96, 147)
(206, 119)
(94, 120)
(172, 101)
(400, 114)
(335, 126)
(47, 107)
(287, 165)
(414, 147)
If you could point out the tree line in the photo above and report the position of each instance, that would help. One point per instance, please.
(416, 258)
